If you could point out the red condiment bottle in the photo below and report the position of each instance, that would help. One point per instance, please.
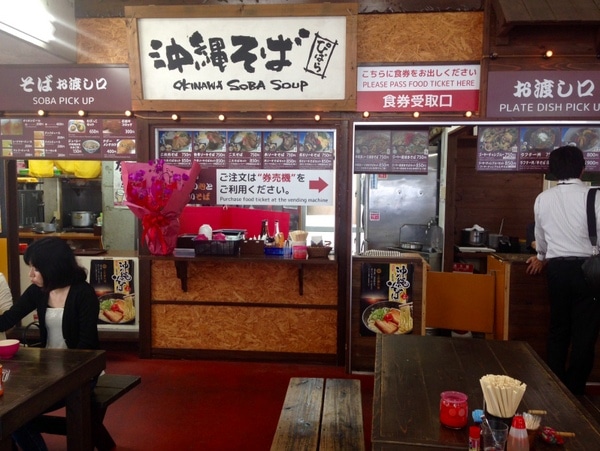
(517, 436)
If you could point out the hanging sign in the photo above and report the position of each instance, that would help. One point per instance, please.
(543, 94)
(248, 58)
(435, 88)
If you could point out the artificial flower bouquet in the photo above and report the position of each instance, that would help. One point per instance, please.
(156, 193)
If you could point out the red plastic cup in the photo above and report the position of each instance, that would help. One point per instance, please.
(454, 409)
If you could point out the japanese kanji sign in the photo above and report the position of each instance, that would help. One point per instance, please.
(418, 88)
(275, 56)
(543, 94)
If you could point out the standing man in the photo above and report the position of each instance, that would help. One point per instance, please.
(562, 244)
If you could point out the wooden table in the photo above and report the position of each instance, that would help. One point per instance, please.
(411, 372)
(41, 377)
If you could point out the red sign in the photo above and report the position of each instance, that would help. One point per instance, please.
(418, 88)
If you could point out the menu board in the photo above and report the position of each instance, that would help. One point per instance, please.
(72, 139)
(526, 149)
(385, 151)
(247, 149)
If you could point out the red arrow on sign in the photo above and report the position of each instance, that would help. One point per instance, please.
(317, 184)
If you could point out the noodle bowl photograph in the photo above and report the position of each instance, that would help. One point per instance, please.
(116, 308)
(389, 317)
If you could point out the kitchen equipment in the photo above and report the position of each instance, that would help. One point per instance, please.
(44, 227)
(474, 237)
(411, 245)
(83, 218)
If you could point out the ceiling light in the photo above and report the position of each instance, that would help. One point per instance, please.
(468, 113)
(317, 117)
(548, 54)
(41, 113)
(175, 117)
(366, 114)
(128, 113)
(269, 117)
(81, 113)
(221, 117)
(416, 114)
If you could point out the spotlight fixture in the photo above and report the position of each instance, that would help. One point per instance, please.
(175, 117)
(548, 54)
(493, 56)
(317, 117)
(366, 114)
(468, 113)
(128, 113)
(221, 117)
(416, 114)
(269, 117)
(81, 113)
(41, 113)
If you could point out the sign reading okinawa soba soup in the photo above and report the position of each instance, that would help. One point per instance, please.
(275, 56)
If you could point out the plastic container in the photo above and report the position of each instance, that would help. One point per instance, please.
(299, 251)
(454, 409)
(474, 438)
(518, 439)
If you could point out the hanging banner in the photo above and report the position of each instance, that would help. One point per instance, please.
(434, 88)
(224, 57)
(543, 94)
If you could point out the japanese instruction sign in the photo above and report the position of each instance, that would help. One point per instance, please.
(252, 58)
(418, 88)
(543, 94)
(254, 167)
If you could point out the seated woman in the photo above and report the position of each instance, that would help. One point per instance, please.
(66, 305)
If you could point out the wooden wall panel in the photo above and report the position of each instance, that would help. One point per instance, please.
(382, 38)
(433, 37)
(244, 329)
(227, 282)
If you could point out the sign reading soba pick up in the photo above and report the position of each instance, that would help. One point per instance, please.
(65, 88)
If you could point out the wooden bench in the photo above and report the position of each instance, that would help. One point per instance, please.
(109, 388)
(321, 414)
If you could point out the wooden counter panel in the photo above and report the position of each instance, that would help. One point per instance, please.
(244, 328)
(250, 282)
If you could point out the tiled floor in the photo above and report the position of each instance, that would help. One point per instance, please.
(206, 405)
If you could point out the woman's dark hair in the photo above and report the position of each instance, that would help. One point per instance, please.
(55, 261)
(566, 162)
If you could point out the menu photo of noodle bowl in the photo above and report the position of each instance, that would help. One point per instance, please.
(389, 317)
(586, 138)
(210, 141)
(369, 142)
(117, 308)
(175, 141)
(542, 138)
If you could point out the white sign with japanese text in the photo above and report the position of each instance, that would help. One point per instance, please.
(243, 58)
(274, 187)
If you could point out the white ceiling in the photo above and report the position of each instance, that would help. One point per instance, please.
(17, 51)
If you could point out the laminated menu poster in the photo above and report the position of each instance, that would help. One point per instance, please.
(113, 280)
(385, 298)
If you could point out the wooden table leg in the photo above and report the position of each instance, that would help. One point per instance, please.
(79, 419)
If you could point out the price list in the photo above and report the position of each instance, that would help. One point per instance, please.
(77, 139)
(526, 149)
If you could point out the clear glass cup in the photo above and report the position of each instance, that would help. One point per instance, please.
(493, 435)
